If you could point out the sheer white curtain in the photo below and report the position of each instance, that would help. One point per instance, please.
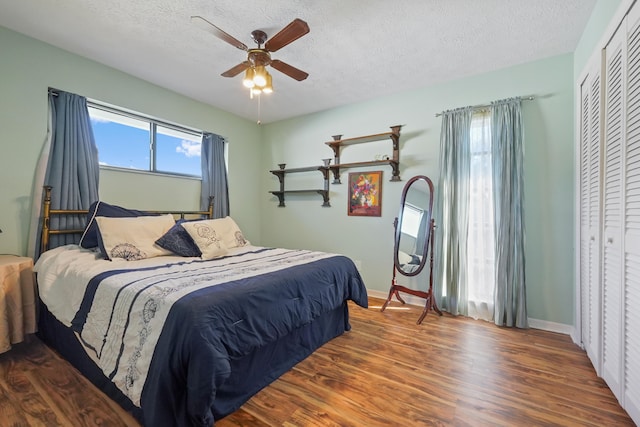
(480, 239)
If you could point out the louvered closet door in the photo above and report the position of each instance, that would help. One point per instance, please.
(631, 290)
(589, 208)
(614, 126)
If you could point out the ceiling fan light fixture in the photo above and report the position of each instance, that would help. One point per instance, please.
(256, 76)
(260, 76)
(268, 88)
(249, 76)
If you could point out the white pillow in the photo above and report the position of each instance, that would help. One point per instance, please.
(133, 238)
(404, 258)
(208, 238)
(227, 230)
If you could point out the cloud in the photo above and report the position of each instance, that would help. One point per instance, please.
(189, 148)
(95, 119)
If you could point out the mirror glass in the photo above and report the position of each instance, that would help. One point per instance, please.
(413, 229)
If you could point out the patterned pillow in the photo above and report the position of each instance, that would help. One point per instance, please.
(208, 239)
(227, 230)
(133, 238)
(178, 241)
(233, 235)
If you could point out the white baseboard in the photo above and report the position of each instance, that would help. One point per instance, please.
(544, 325)
(409, 299)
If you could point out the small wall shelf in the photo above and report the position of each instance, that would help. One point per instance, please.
(324, 192)
(394, 162)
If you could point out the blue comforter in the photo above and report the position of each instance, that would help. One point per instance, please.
(193, 319)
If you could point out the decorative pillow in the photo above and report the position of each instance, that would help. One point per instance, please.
(209, 240)
(133, 238)
(178, 241)
(227, 230)
(89, 238)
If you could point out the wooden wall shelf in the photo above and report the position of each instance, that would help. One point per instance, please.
(280, 173)
(394, 162)
(336, 145)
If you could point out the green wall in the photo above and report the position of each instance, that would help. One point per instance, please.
(28, 67)
(602, 14)
(548, 121)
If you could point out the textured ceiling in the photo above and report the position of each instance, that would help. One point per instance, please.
(356, 50)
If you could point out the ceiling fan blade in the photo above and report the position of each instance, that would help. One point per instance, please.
(292, 32)
(232, 72)
(208, 26)
(290, 71)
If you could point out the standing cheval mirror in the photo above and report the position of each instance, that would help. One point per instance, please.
(413, 241)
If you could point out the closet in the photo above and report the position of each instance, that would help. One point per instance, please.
(589, 207)
(609, 213)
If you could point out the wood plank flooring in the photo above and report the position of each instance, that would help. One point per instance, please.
(387, 371)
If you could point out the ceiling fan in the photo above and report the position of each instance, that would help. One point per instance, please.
(256, 77)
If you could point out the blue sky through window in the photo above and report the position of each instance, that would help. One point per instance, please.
(175, 153)
(124, 141)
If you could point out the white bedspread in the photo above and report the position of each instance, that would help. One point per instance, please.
(63, 274)
(125, 317)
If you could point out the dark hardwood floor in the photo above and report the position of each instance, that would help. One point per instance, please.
(387, 371)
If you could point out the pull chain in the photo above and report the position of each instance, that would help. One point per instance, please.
(259, 109)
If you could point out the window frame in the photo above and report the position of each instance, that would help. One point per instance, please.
(153, 125)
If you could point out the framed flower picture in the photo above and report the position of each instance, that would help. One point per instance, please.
(365, 194)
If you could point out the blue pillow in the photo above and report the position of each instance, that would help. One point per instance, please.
(89, 238)
(178, 241)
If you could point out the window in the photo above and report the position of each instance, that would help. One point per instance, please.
(480, 240)
(411, 217)
(130, 141)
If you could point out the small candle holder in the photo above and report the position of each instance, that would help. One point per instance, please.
(282, 165)
(326, 162)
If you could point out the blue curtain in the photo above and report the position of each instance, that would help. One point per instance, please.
(72, 170)
(452, 211)
(422, 235)
(507, 137)
(214, 175)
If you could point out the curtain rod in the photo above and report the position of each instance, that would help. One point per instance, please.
(481, 106)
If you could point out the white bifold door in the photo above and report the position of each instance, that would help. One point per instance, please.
(614, 143)
(631, 221)
(620, 198)
(589, 208)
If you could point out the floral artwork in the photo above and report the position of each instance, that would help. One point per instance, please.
(365, 191)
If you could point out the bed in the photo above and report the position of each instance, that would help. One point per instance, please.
(185, 340)
(409, 262)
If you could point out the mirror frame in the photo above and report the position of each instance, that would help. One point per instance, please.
(398, 226)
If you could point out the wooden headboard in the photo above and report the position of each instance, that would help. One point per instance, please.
(47, 213)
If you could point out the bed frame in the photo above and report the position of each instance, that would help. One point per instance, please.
(47, 213)
(248, 373)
